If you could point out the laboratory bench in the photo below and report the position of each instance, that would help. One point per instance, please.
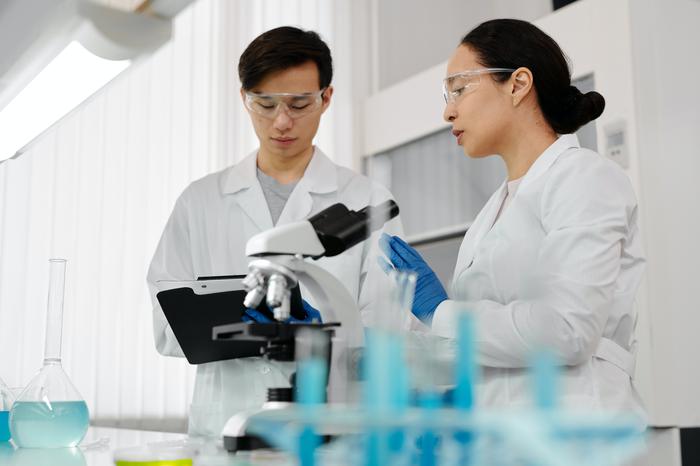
(100, 443)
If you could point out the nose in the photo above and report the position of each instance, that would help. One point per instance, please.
(449, 114)
(282, 121)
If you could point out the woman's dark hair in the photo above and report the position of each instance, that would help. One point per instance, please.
(511, 43)
(282, 48)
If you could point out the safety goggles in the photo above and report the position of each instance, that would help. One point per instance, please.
(457, 85)
(295, 105)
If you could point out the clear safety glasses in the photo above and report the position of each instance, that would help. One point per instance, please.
(458, 84)
(295, 105)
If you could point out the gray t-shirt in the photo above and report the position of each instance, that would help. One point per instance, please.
(276, 194)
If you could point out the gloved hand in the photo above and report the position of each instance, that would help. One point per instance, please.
(312, 316)
(429, 290)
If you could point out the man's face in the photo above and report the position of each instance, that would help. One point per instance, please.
(281, 135)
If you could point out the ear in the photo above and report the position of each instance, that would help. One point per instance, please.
(243, 96)
(327, 98)
(522, 84)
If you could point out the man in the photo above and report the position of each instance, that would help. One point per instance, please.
(285, 75)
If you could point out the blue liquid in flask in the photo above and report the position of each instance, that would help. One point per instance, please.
(4, 426)
(38, 424)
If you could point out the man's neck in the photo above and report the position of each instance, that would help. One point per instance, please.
(285, 169)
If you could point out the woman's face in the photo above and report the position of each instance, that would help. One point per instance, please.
(481, 114)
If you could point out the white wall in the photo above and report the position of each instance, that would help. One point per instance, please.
(666, 42)
(99, 185)
(412, 36)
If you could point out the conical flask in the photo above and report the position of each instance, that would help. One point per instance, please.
(50, 413)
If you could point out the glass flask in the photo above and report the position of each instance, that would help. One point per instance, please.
(50, 413)
(6, 400)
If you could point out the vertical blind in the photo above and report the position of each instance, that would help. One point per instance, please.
(98, 186)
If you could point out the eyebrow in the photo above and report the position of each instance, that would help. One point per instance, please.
(296, 94)
(301, 96)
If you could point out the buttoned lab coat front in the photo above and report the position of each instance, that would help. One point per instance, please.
(206, 236)
(559, 268)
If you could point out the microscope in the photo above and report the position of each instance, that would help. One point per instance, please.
(279, 262)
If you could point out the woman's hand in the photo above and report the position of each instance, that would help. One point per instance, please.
(402, 257)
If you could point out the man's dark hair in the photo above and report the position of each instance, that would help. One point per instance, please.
(282, 48)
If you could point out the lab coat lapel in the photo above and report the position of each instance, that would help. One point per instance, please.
(490, 212)
(481, 226)
(547, 159)
(242, 183)
(320, 176)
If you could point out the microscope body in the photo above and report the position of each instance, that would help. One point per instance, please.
(281, 258)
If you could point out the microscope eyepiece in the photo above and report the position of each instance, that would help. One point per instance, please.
(339, 228)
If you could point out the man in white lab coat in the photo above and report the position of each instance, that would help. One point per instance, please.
(285, 75)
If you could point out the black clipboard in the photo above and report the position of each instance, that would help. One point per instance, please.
(194, 307)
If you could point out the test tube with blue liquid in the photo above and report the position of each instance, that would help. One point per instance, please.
(386, 378)
(6, 400)
(312, 355)
(466, 374)
(50, 413)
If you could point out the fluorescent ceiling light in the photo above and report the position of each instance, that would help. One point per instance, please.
(73, 76)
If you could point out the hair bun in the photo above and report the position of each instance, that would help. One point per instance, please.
(578, 110)
(590, 105)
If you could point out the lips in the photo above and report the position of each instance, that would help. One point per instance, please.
(458, 134)
(284, 141)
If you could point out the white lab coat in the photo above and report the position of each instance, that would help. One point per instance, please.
(560, 268)
(206, 236)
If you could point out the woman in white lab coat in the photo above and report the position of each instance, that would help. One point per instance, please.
(554, 258)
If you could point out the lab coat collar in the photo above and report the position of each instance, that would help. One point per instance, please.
(242, 175)
(241, 180)
(547, 158)
(320, 175)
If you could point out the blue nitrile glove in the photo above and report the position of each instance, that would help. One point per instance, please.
(312, 316)
(429, 290)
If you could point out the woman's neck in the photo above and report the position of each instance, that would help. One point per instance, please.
(525, 147)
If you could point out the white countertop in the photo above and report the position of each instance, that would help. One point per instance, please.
(100, 443)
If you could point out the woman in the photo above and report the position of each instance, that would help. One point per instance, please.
(554, 258)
